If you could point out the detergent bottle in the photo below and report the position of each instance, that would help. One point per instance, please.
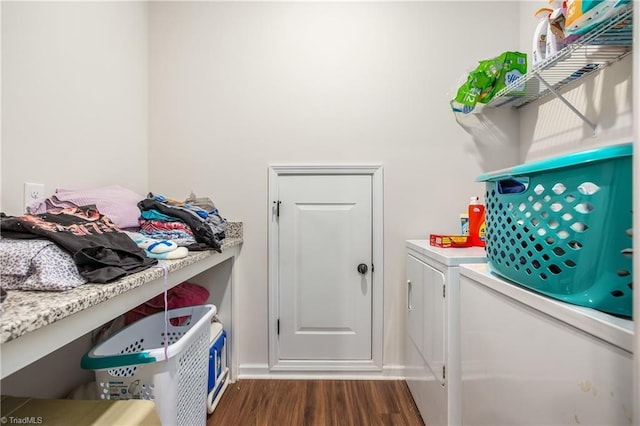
(539, 47)
(476, 222)
(555, 30)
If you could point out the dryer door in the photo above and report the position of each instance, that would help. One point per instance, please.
(433, 342)
(426, 313)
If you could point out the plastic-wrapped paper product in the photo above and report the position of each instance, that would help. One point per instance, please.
(488, 78)
(584, 15)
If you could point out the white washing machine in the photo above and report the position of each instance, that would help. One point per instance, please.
(531, 360)
(432, 344)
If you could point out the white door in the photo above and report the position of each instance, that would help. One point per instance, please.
(324, 234)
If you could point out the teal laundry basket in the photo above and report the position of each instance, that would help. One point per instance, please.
(563, 227)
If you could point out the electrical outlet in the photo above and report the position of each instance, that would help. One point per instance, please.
(32, 192)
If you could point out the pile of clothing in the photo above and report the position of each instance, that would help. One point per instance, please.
(114, 201)
(101, 235)
(100, 251)
(194, 223)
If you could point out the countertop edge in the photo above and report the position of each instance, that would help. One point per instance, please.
(26, 311)
(447, 256)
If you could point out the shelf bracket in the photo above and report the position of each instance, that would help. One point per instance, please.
(567, 103)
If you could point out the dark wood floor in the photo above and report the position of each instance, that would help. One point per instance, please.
(316, 402)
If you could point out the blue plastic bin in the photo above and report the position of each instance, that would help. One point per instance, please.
(563, 227)
(218, 370)
(217, 360)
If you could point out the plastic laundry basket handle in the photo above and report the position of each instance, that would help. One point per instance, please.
(512, 185)
(114, 361)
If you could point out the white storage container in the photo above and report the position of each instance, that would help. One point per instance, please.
(132, 364)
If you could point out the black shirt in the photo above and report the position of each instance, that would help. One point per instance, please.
(100, 250)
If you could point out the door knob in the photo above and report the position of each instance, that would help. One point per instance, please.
(362, 268)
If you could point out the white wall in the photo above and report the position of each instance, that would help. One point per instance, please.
(74, 115)
(74, 98)
(237, 86)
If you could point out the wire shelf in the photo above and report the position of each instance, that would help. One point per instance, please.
(607, 43)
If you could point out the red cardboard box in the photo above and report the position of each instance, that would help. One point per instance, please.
(449, 241)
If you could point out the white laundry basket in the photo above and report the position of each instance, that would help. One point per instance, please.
(131, 364)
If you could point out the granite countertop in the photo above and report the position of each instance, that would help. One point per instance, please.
(25, 311)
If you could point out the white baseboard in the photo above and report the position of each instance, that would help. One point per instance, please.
(253, 371)
(261, 371)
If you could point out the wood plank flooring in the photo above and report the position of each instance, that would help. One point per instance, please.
(316, 402)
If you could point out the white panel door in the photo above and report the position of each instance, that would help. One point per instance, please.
(325, 232)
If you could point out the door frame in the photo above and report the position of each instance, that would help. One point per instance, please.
(326, 367)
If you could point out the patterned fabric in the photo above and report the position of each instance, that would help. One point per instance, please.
(178, 237)
(162, 226)
(37, 265)
(118, 203)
